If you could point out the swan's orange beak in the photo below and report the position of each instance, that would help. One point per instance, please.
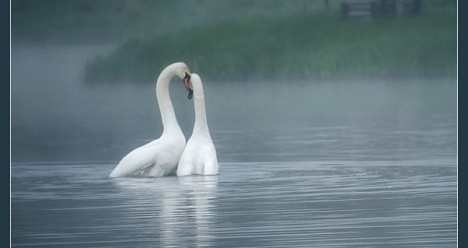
(187, 81)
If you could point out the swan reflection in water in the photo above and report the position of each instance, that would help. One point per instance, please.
(173, 211)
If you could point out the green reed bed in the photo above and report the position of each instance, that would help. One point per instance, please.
(295, 47)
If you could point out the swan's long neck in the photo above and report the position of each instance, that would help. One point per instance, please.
(201, 125)
(168, 116)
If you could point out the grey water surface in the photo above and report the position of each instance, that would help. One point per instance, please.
(302, 164)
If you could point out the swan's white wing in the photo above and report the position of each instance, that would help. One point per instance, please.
(137, 160)
(211, 161)
(189, 158)
(199, 157)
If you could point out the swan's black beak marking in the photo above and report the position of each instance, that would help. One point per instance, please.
(187, 85)
(190, 94)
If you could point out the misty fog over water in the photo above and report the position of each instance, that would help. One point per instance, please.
(53, 111)
(337, 164)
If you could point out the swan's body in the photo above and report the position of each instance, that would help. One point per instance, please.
(199, 156)
(159, 157)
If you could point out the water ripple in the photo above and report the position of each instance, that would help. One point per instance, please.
(294, 204)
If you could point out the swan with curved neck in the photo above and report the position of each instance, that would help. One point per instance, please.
(199, 156)
(159, 157)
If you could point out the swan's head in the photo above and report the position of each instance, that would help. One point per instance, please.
(179, 68)
(194, 81)
(182, 71)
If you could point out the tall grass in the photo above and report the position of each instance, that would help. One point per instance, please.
(295, 47)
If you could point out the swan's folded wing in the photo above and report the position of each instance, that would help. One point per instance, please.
(137, 160)
(211, 162)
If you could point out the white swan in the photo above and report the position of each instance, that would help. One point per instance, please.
(199, 156)
(159, 157)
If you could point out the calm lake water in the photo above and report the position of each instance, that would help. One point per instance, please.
(302, 164)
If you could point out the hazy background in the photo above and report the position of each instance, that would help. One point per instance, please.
(247, 40)
(79, 66)
(102, 20)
